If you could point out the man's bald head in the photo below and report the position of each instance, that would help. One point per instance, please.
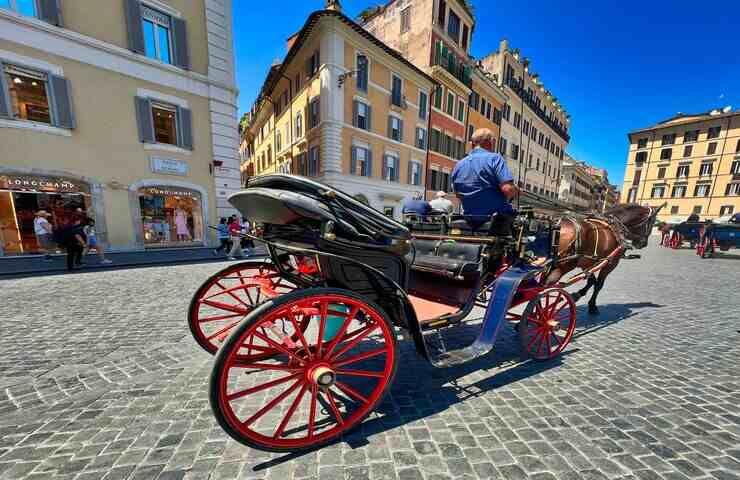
(483, 138)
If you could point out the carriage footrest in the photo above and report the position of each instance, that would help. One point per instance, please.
(428, 311)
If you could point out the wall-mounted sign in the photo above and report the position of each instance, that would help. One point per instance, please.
(169, 192)
(31, 183)
(169, 166)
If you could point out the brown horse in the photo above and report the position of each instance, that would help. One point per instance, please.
(585, 242)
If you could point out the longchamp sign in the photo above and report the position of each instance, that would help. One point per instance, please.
(31, 183)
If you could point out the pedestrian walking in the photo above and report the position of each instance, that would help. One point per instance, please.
(93, 243)
(222, 234)
(247, 243)
(235, 230)
(74, 241)
(43, 231)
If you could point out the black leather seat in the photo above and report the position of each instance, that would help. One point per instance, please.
(448, 259)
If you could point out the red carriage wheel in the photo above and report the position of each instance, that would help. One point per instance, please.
(549, 322)
(228, 296)
(311, 390)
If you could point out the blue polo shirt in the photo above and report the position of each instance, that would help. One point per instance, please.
(477, 179)
(420, 207)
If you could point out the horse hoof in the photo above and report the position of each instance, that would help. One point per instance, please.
(593, 311)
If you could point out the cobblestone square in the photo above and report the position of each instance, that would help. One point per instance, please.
(100, 379)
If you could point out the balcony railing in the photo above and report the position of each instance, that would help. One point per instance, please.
(447, 60)
(529, 100)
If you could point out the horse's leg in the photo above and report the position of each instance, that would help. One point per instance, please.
(592, 308)
(590, 282)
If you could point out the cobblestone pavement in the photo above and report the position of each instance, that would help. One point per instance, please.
(99, 378)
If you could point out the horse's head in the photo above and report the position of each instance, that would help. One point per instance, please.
(638, 222)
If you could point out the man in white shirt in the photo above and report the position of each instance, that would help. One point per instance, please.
(42, 228)
(441, 203)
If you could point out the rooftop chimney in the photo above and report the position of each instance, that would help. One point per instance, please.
(333, 5)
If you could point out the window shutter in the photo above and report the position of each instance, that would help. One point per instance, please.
(355, 113)
(50, 11)
(185, 128)
(396, 169)
(4, 97)
(62, 98)
(353, 164)
(400, 130)
(369, 118)
(390, 127)
(180, 41)
(144, 119)
(134, 27)
(369, 172)
(410, 172)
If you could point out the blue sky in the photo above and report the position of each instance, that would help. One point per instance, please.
(615, 65)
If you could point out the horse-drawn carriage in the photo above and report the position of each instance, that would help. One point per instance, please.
(684, 232)
(306, 341)
(720, 236)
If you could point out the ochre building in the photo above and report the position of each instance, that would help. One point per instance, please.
(689, 162)
(343, 108)
(127, 111)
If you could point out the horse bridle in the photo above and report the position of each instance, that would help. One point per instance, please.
(641, 226)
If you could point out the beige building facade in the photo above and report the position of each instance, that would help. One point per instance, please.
(691, 162)
(345, 109)
(130, 116)
(576, 184)
(534, 129)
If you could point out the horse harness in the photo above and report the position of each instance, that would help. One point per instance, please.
(573, 249)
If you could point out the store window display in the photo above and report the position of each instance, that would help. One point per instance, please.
(22, 196)
(171, 216)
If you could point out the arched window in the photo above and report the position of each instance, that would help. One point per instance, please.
(298, 125)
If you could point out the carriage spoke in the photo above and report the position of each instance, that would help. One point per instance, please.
(351, 391)
(222, 331)
(361, 373)
(345, 325)
(230, 292)
(219, 317)
(322, 325)
(264, 386)
(299, 333)
(291, 411)
(239, 363)
(531, 342)
(351, 344)
(334, 408)
(226, 306)
(362, 356)
(312, 411)
(557, 339)
(278, 347)
(272, 404)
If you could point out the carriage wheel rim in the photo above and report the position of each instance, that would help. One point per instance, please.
(548, 317)
(320, 379)
(231, 304)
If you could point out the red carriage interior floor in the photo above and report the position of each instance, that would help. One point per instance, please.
(427, 310)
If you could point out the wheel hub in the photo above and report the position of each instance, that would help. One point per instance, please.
(322, 376)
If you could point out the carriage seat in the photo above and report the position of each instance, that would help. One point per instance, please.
(448, 259)
(497, 226)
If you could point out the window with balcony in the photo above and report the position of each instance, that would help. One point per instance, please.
(705, 169)
(453, 27)
(363, 71)
(713, 132)
(669, 139)
(642, 143)
(405, 19)
(691, 136)
(395, 128)
(735, 167)
(391, 168)
(666, 154)
(679, 191)
(682, 171)
(702, 190)
(361, 161)
(362, 115)
(423, 100)
(397, 91)
(712, 148)
(658, 191)
(687, 150)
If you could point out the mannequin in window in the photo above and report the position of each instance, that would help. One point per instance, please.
(181, 223)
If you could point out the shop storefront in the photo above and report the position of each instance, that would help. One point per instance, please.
(21, 196)
(171, 216)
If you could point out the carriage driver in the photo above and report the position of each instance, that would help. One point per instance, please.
(483, 182)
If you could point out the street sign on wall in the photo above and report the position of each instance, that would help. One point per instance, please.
(169, 166)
